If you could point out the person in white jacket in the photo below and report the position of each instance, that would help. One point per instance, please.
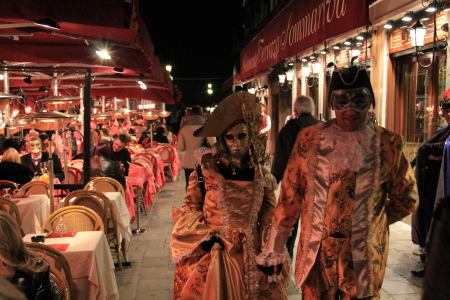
(188, 143)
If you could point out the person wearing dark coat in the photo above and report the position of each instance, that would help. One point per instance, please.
(119, 152)
(303, 107)
(36, 156)
(102, 164)
(427, 169)
(11, 169)
(437, 274)
(159, 136)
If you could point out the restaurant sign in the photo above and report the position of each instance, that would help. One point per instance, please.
(302, 24)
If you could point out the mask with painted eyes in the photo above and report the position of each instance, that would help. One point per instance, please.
(237, 141)
(34, 146)
(357, 99)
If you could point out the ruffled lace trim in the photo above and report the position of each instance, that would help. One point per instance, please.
(197, 251)
(252, 278)
(252, 269)
(311, 190)
(375, 182)
(198, 154)
(348, 147)
(268, 258)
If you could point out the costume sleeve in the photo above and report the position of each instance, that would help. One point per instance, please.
(287, 210)
(266, 214)
(190, 229)
(401, 187)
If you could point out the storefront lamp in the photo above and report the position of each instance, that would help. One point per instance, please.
(316, 67)
(289, 76)
(306, 70)
(408, 16)
(282, 78)
(389, 24)
(417, 33)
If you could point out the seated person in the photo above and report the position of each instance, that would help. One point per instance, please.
(119, 152)
(102, 164)
(12, 170)
(37, 156)
(27, 272)
(159, 136)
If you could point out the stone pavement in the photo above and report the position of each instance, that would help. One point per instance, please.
(151, 274)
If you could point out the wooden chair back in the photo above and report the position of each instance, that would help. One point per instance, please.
(105, 184)
(61, 282)
(76, 163)
(74, 175)
(59, 263)
(10, 207)
(96, 201)
(75, 218)
(35, 187)
(7, 184)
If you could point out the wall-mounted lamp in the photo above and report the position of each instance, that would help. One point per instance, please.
(304, 59)
(408, 16)
(169, 68)
(418, 32)
(389, 24)
(348, 42)
(289, 76)
(251, 90)
(337, 46)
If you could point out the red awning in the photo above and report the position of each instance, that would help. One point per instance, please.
(85, 27)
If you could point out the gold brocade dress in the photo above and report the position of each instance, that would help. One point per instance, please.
(238, 213)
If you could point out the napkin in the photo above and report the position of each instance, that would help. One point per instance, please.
(59, 247)
(53, 235)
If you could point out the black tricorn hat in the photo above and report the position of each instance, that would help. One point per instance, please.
(347, 78)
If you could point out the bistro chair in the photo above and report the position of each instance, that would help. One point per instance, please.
(35, 187)
(167, 155)
(105, 184)
(91, 199)
(74, 175)
(59, 263)
(76, 163)
(7, 184)
(11, 208)
(74, 218)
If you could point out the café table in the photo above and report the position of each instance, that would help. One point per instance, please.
(121, 213)
(33, 211)
(90, 262)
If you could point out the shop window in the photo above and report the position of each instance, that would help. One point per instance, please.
(418, 92)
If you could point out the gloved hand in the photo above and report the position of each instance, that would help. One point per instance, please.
(207, 245)
(271, 270)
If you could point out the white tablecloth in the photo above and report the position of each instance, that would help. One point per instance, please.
(90, 263)
(122, 215)
(33, 211)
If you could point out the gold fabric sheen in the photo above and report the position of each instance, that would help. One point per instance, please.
(348, 204)
(238, 213)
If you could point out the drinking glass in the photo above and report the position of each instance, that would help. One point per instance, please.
(16, 190)
(60, 226)
(7, 194)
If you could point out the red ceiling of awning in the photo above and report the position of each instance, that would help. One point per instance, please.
(115, 23)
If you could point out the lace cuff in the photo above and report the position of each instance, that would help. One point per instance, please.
(267, 258)
(274, 252)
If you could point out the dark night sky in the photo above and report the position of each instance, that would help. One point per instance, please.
(197, 38)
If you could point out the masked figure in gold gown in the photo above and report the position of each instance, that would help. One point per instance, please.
(227, 211)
